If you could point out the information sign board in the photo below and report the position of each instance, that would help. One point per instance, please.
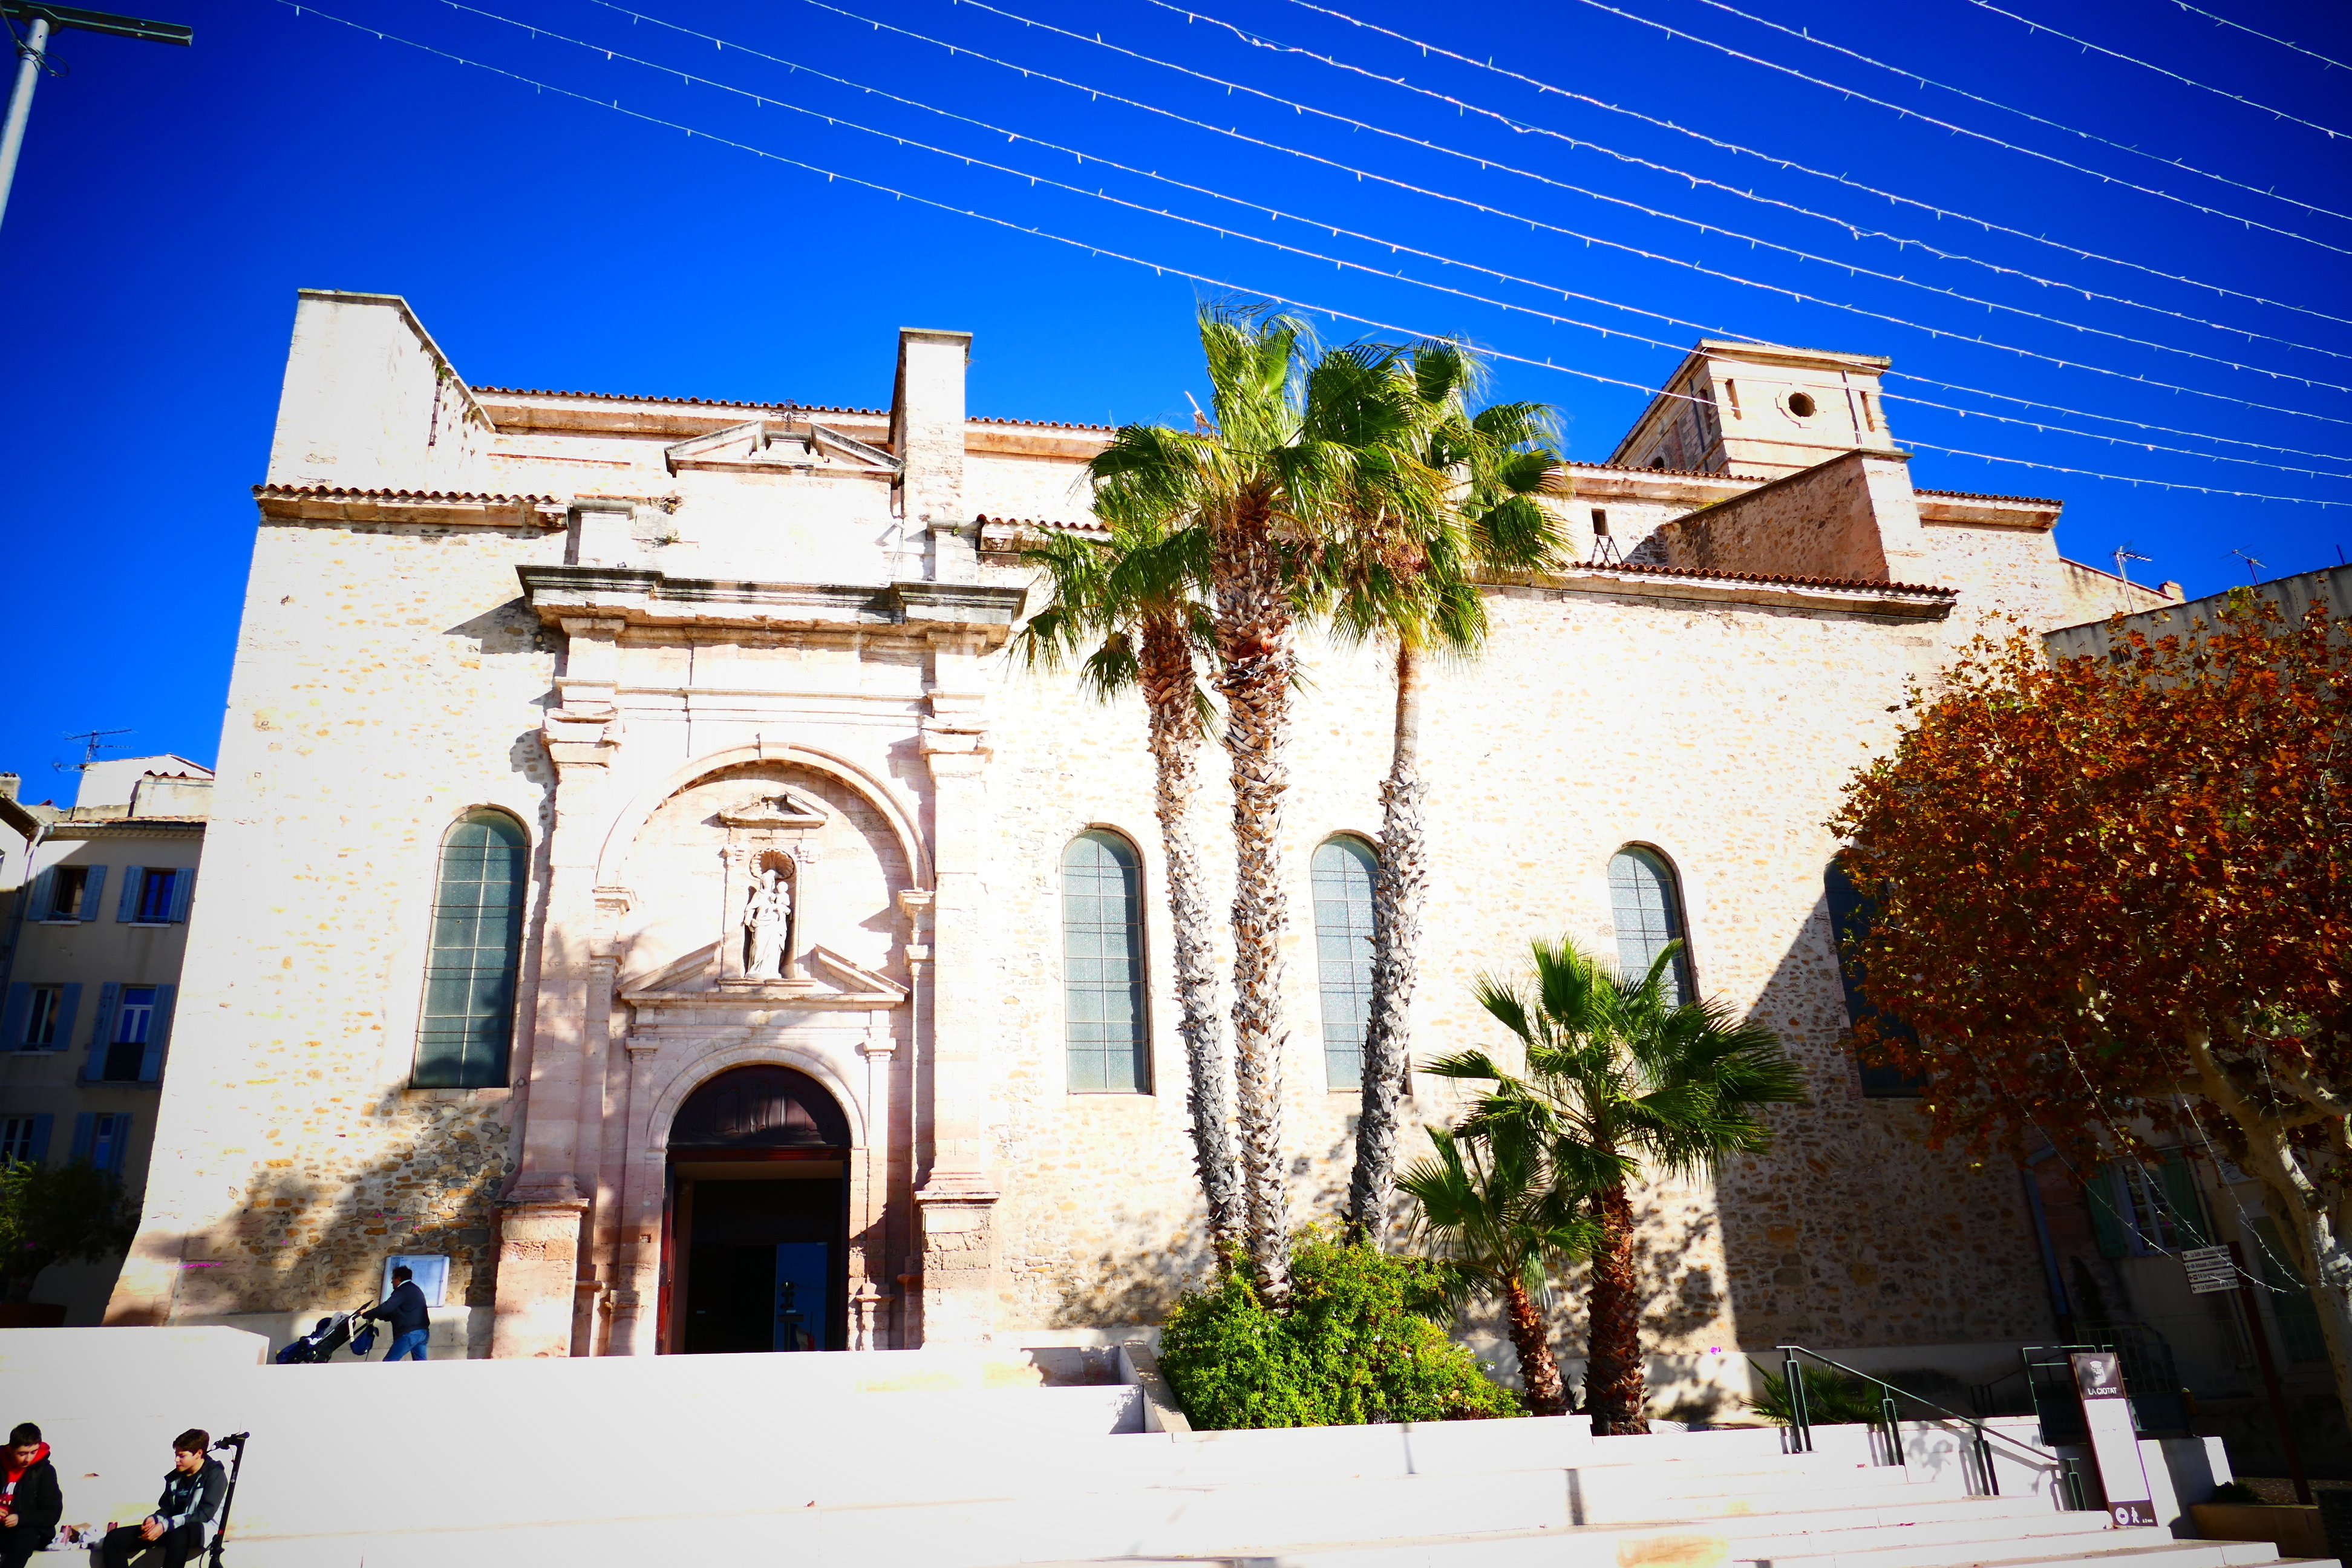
(2211, 1270)
(2099, 1379)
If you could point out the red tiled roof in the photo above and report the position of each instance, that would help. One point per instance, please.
(1979, 495)
(1767, 577)
(273, 491)
(699, 401)
(1089, 527)
(1673, 473)
(1045, 424)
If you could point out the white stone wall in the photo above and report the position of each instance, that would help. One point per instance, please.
(390, 676)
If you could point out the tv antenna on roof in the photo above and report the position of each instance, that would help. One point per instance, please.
(2251, 564)
(92, 742)
(2126, 553)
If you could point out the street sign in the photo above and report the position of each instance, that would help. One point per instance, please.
(2099, 1379)
(2210, 1271)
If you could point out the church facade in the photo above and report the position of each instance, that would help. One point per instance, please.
(645, 887)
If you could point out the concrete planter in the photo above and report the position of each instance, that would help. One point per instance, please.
(2293, 1528)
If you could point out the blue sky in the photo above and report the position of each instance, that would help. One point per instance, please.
(171, 201)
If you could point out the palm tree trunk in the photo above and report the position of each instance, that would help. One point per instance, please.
(1168, 699)
(1396, 939)
(1616, 1388)
(1253, 627)
(1538, 1373)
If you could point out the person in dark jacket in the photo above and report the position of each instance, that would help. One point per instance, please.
(404, 1314)
(177, 1532)
(30, 1502)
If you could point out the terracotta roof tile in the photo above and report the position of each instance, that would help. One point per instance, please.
(1767, 577)
(322, 491)
(1088, 527)
(1669, 473)
(1042, 423)
(697, 402)
(1979, 495)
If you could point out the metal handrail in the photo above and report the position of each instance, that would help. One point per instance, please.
(1801, 1426)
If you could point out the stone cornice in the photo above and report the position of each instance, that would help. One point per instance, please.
(131, 827)
(1885, 601)
(1949, 507)
(323, 503)
(647, 598)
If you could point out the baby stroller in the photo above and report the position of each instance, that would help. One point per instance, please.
(333, 1332)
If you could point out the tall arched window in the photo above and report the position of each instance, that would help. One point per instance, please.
(1102, 965)
(1343, 869)
(1648, 908)
(467, 1027)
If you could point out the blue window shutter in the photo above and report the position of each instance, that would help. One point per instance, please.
(184, 889)
(39, 1152)
(85, 1134)
(38, 896)
(126, 908)
(12, 1016)
(101, 1033)
(91, 890)
(121, 1146)
(69, 1009)
(159, 1029)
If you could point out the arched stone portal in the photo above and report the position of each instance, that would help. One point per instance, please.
(755, 1245)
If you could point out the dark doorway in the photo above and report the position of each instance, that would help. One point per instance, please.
(756, 1254)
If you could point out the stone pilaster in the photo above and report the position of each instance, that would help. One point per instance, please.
(538, 1267)
(957, 1205)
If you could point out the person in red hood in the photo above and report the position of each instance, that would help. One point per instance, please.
(30, 1502)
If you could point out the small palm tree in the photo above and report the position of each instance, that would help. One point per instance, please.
(1619, 1077)
(1413, 580)
(1129, 609)
(1299, 442)
(1489, 1210)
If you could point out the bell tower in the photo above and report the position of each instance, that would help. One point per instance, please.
(1758, 411)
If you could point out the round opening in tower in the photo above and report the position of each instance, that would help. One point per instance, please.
(1801, 403)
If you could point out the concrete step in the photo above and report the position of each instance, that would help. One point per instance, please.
(1571, 1548)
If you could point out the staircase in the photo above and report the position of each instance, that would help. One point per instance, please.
(1505, 1495)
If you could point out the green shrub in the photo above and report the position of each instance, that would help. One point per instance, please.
(1361, 1343)
(1831, 1398)
(2234, 1491)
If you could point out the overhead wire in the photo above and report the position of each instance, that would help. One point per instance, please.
(1035, 73)
(1523, 127)
(1778, 162)
(1812, 37)
(1554, 318)
(1169, 269)
(2327, 130)
(1958, 129)
(2283, 43)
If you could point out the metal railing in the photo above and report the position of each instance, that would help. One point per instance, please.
(1977, 1446)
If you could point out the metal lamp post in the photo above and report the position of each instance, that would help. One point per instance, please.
(31, 60)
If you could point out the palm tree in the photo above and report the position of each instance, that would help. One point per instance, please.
(1131, 611)
(1619, 1077)
(1415, 581)
(1298, 443)
(1498, 1224)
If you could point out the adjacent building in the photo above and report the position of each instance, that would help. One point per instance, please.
(649, 895)
(91, 937)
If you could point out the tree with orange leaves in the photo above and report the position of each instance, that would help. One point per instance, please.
(2113, 900)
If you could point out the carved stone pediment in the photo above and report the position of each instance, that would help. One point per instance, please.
(785, 811)
(827, 981)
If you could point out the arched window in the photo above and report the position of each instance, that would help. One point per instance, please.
(1343, 871)
(1102, 965)
(759, 1107)
(466, 1028)
(1648, 908)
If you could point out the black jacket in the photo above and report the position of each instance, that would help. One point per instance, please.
(38, 1504)
(404, 1311)
(193, 1499)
